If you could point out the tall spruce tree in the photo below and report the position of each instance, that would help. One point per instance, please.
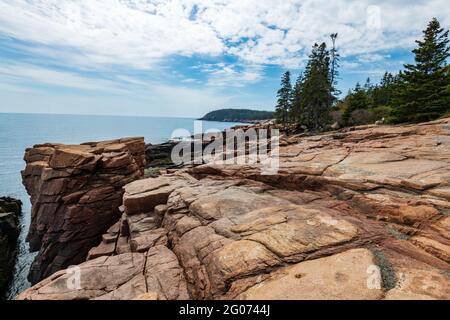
(316, 89)
(296, 100)
(284, 99)
(423, 94)
(334, 67)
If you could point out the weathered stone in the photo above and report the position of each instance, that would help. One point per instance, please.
(76, 191)
(121, 277)
(150, 296)
(98, 277)
(435, 239)
(144, 195)
(148, 239)
(340, 277)
(104, 249)
(294, 230)
(416, 284)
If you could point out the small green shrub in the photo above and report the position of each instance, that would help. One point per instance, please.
(361, 117)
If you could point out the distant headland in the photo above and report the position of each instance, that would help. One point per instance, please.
(238, 115)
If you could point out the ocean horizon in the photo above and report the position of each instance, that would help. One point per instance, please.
(19, 131)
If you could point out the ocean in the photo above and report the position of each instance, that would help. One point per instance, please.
(20, 131)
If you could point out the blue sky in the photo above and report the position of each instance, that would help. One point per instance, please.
(187, 57)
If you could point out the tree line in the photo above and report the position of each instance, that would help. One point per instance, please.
(420, 92)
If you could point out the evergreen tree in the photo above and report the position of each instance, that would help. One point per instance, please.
(358, 100)
(423, 94)
(284, 99)
(368, 85)
(316, 89)
(383, 93)
(387, 79)
(296, 100)
(334, 72)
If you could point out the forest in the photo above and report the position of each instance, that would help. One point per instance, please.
(418, 93)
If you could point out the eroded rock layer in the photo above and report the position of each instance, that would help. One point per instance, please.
(76, 192)
(358, 214)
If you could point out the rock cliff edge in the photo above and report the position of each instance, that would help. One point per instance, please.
(76, 192)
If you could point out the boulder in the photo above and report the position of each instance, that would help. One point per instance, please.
(128, 276)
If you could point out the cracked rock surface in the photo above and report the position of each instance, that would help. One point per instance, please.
(355, 214)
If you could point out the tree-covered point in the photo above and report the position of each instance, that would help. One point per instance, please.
(238, 115)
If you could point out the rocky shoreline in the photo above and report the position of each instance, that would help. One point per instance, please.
(159, 156)
(361, 213)
(10, 211)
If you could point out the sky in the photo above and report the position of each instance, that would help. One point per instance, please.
(184, 58)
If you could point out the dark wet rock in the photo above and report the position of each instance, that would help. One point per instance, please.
(10, 210)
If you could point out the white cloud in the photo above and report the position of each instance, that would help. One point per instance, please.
(28, 74)
(131, 33)
(365, 58)
(139, 33)
(23, 82)
(231, 75)
(349, 64)
(189, 80)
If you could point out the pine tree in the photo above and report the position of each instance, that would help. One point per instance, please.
(316, 89)
(296, 100)
(334, 72)
(423, 94)
(284, 99)
(383, 93)
(368, 85)
(358, 100)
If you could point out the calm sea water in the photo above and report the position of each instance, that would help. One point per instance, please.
(20, 131)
